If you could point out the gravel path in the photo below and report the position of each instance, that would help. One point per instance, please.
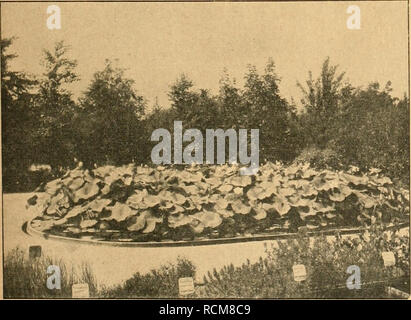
(112, 265)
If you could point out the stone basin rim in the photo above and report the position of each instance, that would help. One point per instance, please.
(203, 242)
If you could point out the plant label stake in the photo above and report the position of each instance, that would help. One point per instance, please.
(34, 252)
(80, 291)
(186, 286)
(299, 272)
(389, 258)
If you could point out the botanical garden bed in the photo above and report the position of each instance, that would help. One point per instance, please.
(212, 204)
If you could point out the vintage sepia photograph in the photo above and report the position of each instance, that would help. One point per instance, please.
(205, 150)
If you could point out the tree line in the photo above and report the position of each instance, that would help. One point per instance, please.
(336, 124)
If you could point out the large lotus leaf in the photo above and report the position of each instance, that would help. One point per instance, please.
(164, 195)
(53, 186)
(197, 226)
(151, 223)
(367, 201)
(191, 189)
(225, 213)
(42, 225)
(270, 187)
(99, 204)
(178, 220)
(297, 184)
(240, 181)
(221, 203)
(305, 213)
(268, 207)
(329, 175)
(87, 176)
(113, 177)
(322, 184)
(190, 205)
(75, 183)
(308, 191)
(238, 190)
(127, 170)
(224, 170)
(135, 200)
(209, 219)
(144, 179)
(281, 205)
(151, 200)
(55, 203)
(225, 188)
(340, 194)
(120, 212)
(203, 186)
(177, 198)
(76, 211)
(103, 171)
(291, 170)
(144, 170)
(285, 192)
(89, 190)
(198, 200)
(127, 180)
(240, 208)
(260, 213)
(137, 222)
(297, 201)
(406, 194)
(214, 198)
(381, 180)
(308, 173)
(106, 189)
(213, 182)
(88, 223)
(383, 190)
(319, 207)
(232, 197)
(76, 173)
(257, 193)
(177, 209)
(166, 205)
(189, 177)
(356, 180)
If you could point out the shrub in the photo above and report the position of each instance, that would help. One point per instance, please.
(159, 283)
(326, 264)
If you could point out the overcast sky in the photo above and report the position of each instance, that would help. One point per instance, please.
(158, 41)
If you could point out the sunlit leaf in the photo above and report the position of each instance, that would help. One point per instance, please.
(120, 212)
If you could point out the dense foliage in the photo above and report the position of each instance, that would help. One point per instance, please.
(163, 203)
(335, 125)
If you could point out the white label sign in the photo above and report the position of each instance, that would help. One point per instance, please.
(299, 272)
(389, 258)
(186, 286)
(80, 291)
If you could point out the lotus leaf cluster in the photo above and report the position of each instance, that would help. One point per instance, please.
(140, 203)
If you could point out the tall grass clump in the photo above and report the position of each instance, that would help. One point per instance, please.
(27, 278)
(158, 283)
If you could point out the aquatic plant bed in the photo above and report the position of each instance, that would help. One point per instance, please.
(211, 204)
